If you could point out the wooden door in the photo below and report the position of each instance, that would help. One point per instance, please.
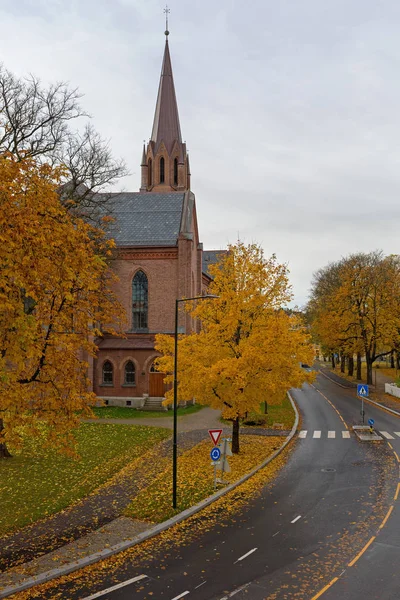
(156, 385)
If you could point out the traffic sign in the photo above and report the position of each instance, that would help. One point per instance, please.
(362, 390)
(371, 422)
(215, 434)
(215, 454)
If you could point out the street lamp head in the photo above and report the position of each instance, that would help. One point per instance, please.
(211, 296)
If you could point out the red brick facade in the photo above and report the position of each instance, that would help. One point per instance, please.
(173, 268)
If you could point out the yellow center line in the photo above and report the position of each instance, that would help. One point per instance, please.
(324, 589)
(334, 407)
(386, 518)
(353, 562)
(397, 492)
(396, 455)
(389, 444)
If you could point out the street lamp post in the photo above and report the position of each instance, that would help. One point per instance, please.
(175, 430)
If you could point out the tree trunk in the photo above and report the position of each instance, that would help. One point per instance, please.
(342, 363)
(333, 360)
(369, 368)
(392, 365)
(4, 453)
(350, 365)
(358, 376)
(235, 436)
(398, 359)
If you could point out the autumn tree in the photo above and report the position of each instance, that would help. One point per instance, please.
(249, 349)
(36, 122)
(359, 312)
(54, 294)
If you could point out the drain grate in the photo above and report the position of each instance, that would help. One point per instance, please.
(328, 470)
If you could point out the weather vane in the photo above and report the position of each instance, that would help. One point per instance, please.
(166, 11)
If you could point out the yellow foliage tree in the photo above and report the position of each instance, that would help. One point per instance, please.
(54, 293)
(249, 349)
(354, 306)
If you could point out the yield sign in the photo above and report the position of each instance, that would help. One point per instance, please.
(215, 434)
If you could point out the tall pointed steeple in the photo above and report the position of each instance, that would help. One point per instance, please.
(165, 163)
(166, 127)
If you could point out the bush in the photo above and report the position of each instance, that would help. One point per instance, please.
(254, 419)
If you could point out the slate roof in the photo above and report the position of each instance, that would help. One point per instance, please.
(210, 257)
(146, 219)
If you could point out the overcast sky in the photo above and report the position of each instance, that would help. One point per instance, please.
(290, 109)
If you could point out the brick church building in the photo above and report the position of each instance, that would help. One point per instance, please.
(159, 258)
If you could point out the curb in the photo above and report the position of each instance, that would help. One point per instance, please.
(101, 555)
(378, 404)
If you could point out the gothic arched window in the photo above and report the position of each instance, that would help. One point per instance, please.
(108, 373)
(129, 373)
(176, 171)
(149, 172)
(162, 170)
(139, 301)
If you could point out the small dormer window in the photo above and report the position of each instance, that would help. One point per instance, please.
(176, 171)
(162, 170)
(149, 172)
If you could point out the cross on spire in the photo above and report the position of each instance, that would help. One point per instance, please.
(166, 11)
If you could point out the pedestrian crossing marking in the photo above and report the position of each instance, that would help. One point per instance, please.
(319, 434)
(386, 435)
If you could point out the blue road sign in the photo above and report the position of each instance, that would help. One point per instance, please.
(362, 390)
(371, 422)
(215, 453)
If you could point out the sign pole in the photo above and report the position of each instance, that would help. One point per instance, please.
(362, 408)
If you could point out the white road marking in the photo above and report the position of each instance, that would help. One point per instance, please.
(197, 586)
(181, 595)
(275, 534)
(345, 434)
(331, 434)
(397, 433)
(317, 434)
(303, 433)
(296, 519)
(245, 555)
(242, 587)
(386, 435)
(116, 587)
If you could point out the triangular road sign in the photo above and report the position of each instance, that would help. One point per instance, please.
(215, 434)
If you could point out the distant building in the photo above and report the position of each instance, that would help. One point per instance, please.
(159, 257)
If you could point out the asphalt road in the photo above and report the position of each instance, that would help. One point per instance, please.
(297, 535)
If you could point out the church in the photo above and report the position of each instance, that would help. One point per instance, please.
(159, 258)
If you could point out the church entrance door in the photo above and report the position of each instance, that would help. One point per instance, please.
(156, 384)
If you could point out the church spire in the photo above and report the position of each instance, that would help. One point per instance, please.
(165, 165)
(166, 127)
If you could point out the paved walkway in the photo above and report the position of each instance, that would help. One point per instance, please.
(377, 391)
(206, 418)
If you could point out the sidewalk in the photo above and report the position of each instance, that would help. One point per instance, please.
(207, 418)
(377, 392)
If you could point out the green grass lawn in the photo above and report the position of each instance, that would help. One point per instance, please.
(277, 413)
(40, 482)
(122, 412)
(281, 413)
